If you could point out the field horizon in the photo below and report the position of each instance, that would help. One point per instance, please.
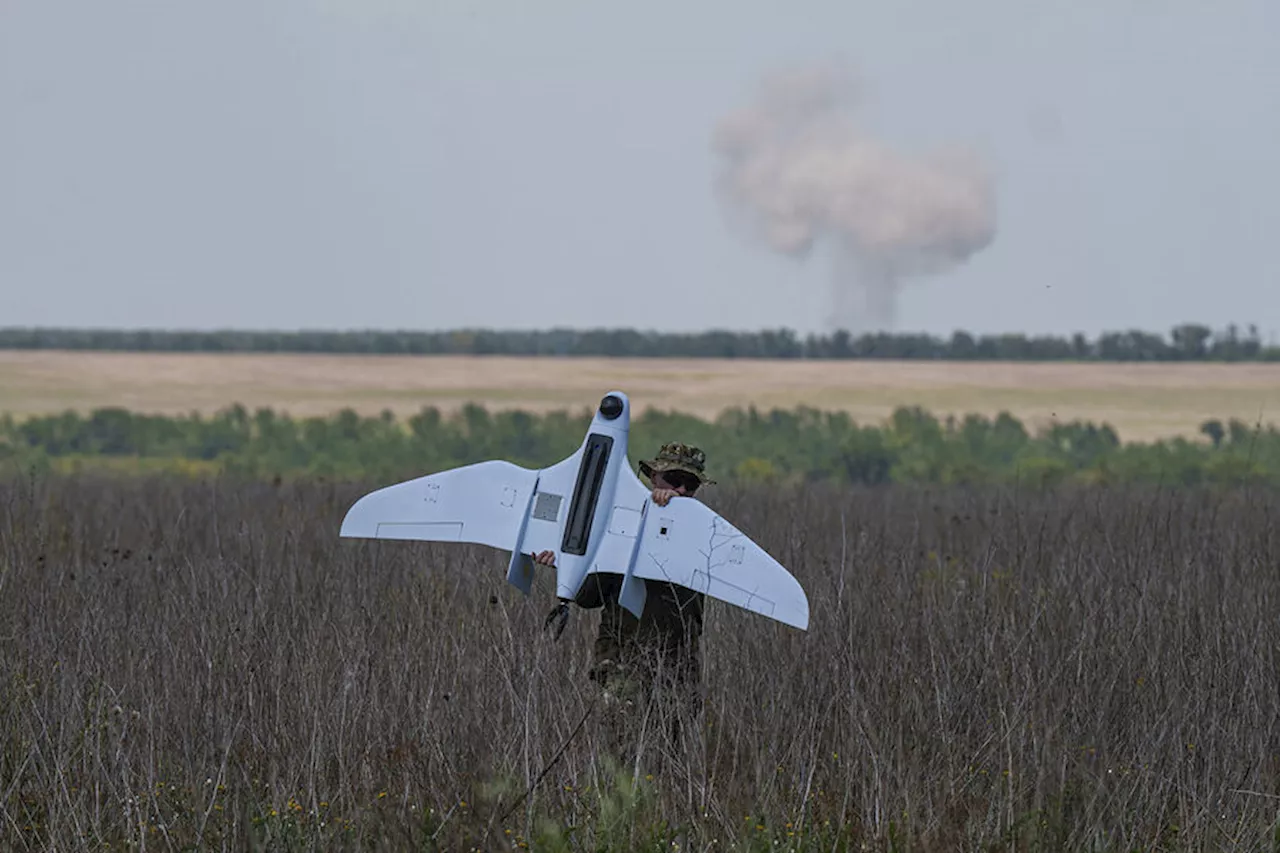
(1141, 401)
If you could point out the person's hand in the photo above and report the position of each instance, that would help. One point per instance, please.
(545, 558)
(661, 496)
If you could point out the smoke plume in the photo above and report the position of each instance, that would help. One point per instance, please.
(797, 170)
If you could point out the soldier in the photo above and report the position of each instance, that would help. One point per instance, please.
(632, 656)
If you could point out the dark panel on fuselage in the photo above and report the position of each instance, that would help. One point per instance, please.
(582, 509)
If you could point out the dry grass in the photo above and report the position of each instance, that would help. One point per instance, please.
(189, 664)
(1143, 401)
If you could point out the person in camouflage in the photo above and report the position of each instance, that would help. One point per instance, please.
(634, 656)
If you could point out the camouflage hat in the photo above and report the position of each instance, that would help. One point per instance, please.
(675, 456)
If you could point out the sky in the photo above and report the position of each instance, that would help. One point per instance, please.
(437, 164)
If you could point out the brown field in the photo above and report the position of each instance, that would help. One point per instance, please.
(206, 666)
(1142, 401)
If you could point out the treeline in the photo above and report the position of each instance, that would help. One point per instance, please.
(801, 445)
(1188, 342)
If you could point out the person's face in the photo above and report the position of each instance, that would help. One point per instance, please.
(681, 482)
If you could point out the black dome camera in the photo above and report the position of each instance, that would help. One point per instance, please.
(611, 407)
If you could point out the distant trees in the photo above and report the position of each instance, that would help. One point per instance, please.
(1187, 342)
(744, 445)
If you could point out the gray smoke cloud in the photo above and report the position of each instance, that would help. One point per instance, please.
(797, 170)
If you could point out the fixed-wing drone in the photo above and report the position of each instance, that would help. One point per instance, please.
(594, 512)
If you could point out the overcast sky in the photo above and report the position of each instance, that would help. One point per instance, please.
(435, 164)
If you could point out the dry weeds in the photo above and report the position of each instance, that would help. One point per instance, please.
(1142, 401)
(206, 664)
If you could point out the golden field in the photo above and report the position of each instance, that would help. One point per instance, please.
(1142, 401)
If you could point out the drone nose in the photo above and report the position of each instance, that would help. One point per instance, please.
(611, 407)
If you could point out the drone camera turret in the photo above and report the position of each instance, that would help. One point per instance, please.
(611, 407)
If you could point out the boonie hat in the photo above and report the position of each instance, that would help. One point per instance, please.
(675, 456)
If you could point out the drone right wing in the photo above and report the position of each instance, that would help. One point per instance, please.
(688, 544)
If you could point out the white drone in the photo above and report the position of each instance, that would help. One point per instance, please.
(593, 511)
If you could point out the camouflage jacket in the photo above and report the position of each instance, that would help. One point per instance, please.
(671, 622)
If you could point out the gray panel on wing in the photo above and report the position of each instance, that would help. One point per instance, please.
(546, 506)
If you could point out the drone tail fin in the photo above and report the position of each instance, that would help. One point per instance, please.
(520, 567)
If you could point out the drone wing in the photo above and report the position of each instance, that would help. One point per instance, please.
(485, 503)
(688, 544)
(493, 503)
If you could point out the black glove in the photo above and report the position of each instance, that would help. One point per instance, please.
(559, 615)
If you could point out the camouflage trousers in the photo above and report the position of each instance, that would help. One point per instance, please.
(647, 688)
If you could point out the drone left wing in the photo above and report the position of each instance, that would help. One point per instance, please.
(485, 503)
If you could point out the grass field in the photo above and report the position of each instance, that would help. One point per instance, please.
(1142, 401)
(188, 665)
